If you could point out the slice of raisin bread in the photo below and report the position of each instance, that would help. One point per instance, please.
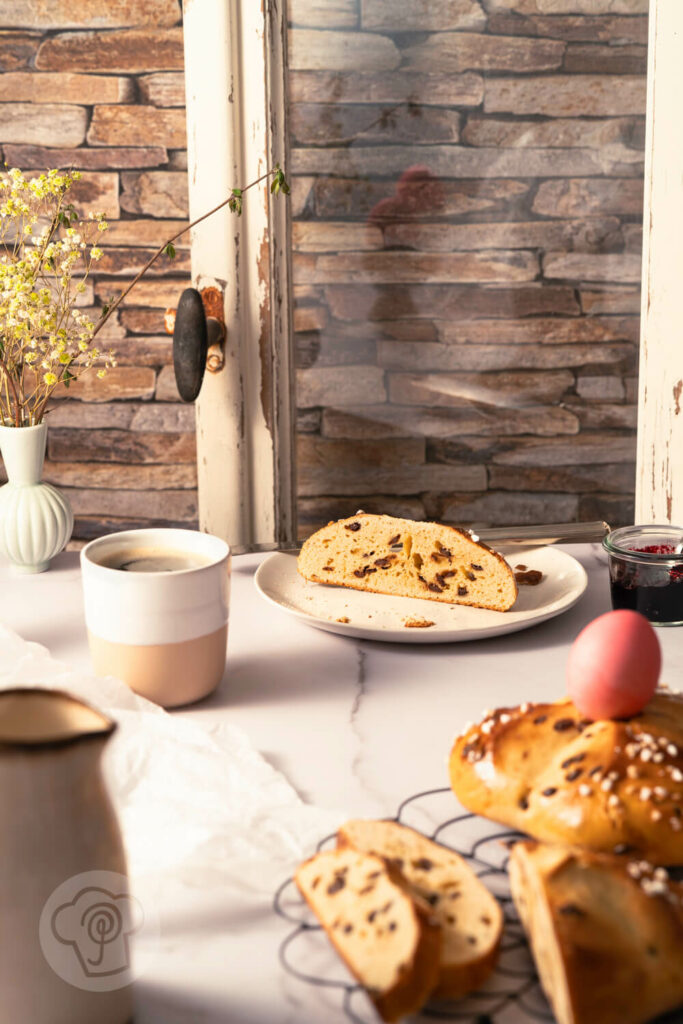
(386, 555)
(386, 938)
(606, 932)
(471, 919)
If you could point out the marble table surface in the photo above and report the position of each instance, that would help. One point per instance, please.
(354, 726)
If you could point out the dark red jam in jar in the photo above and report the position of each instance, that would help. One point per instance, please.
(646, 571)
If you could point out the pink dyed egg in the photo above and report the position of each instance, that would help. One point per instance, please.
(614, 665)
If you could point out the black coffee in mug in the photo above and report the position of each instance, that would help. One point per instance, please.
(131, 559)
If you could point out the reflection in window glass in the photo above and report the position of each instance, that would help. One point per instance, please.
(467, 198)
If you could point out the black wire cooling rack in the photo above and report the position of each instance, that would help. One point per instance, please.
(512, 994)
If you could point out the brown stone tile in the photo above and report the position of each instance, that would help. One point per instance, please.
(596, 301)
(422, 15)
(385, 302)
(121, 382)
(318, 236)
(597, 448)
(88, 527)
(606, 416)
(433, 87)
(415, 268)
(501, 508)
(503, 389)
(316, 453)
(582, 235)
(318, 50)
(472, 51)
(590, 196)
(167, 390)
(51, 124)
(163, 88)
(17, 49)
(44, 87)
(622, 268)
(574, 28)
(324, 13)
(339, 385)
(134, 50)
(128, 260)
(96, 192)
(606, 60)
(111, 159)
(124, 446)
(144, 351)
(570, 6)
(462, 161)
(360, 480)
(349, 197)
(155, 504)
(541, 331)
(159, 293)
(314, 124)
(613, 509)
(559, 131)
(434, 422)
(92, 475)
(464, 358)
(619, 477)
(567, 95)
(160, 194)
(56, 14)
(125, 125)
(146, 232)
(315, 512)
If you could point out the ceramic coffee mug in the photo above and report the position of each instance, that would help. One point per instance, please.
(156, 609)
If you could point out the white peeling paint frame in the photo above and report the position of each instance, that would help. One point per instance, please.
(235, 88)
(659, 482)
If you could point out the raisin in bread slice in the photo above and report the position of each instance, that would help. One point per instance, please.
(387, 939)
(606, 933)
(386, 555)
(471, 919)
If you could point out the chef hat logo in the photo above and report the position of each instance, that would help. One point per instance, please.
(97, 924)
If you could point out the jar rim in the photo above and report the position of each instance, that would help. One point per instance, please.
(617, 542)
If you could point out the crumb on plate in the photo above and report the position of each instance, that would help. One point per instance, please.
(418, 623)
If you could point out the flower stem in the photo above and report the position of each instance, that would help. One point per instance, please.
(12, 385)
(117, 302)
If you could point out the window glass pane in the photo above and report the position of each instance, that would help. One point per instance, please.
(467, 180)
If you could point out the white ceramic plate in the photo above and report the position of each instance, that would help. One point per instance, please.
(381, 617)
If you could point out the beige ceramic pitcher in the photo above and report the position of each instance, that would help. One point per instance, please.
(66, 917)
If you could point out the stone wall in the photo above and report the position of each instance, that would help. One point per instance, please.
(467, 196)
(467, 190)
(99, 87)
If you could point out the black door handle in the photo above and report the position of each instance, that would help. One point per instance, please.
(190, 344)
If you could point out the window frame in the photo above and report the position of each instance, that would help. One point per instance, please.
(235, 67)
(235, 82)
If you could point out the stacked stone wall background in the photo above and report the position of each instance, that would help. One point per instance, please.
(467, 190)
(466, 344)
(98, 86)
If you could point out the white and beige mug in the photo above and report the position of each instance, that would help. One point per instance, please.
(156, 610)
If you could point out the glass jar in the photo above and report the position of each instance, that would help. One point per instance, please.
(646, 571)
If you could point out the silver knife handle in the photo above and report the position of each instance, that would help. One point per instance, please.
(550, 533)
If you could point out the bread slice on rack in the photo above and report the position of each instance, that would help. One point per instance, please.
(606, 933)
(386, 555)
(385, 936)
(471, 919)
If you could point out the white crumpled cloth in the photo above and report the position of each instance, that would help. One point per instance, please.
(196, 801)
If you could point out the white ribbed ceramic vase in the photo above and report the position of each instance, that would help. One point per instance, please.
(35, 519)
